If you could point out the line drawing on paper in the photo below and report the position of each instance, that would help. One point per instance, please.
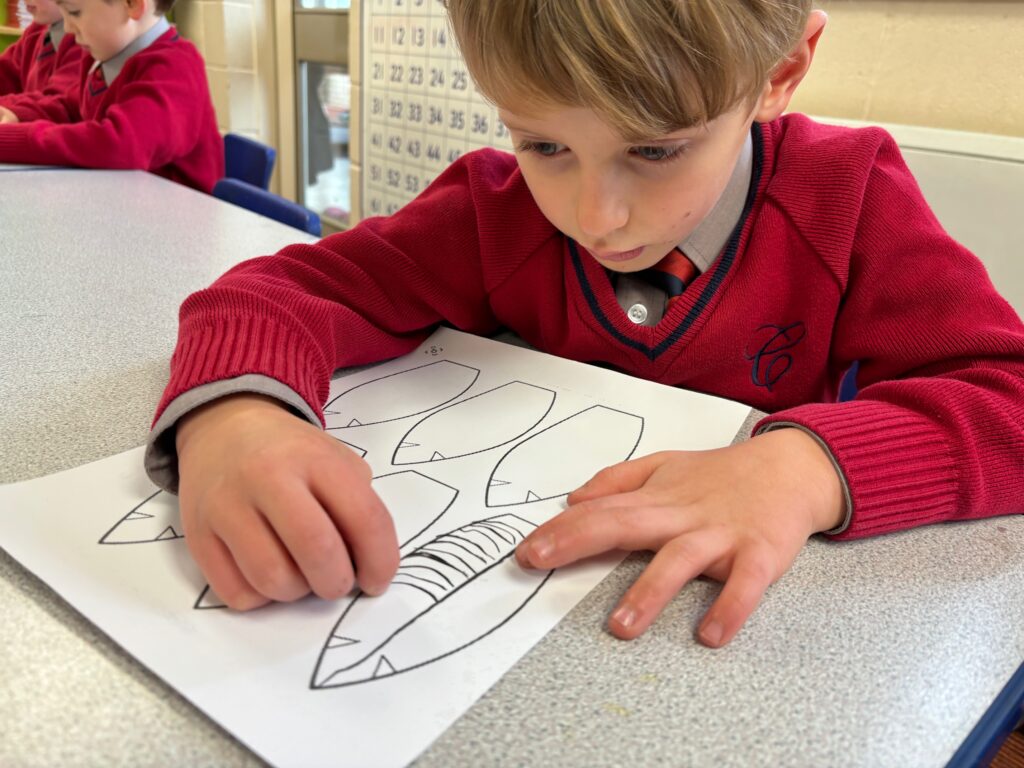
(408, 489)
(476, 424)
(400, 395)
(535, 469)
(156, 518)
(373, 639)
(208, 600)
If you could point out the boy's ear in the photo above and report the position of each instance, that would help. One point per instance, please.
(136, 8)
(787, 76)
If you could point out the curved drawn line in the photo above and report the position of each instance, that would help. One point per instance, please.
(472, 381)
(474, 641)
(364, 655)
(532, 496)
(415, 586)
(404, 442)
(406, 575)
(422, 551)
(136, 508)
(450, 554)
(432, 570)
(482, 558)
(496, 530)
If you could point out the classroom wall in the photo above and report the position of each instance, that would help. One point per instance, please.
(938, 63)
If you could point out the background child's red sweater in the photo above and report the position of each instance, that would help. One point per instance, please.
(837, 259)
(34, 64)
(156, 116)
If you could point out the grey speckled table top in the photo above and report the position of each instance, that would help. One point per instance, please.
(871, 653)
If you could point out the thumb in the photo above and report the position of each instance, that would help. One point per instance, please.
(618, 478)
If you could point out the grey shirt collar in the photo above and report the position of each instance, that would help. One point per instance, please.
(706, 242)
(112, 67)
(56, 32)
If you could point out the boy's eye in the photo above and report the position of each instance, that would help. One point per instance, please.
(657, 154)
(542, 148)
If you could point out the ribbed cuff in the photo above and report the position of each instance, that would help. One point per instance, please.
(14, 144)
(898, 466)
(236, 346)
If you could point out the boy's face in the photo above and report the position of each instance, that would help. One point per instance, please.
(627, 203)
(102, 28)
(44, 11)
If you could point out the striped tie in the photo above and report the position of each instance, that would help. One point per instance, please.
(672, 274)
(97, 83)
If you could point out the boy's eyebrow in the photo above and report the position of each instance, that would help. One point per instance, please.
(512, 125)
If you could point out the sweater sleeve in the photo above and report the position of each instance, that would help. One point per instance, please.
(145, 127)
(936, 432)
(368, 294)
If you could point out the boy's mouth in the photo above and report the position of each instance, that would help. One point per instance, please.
(616, 256)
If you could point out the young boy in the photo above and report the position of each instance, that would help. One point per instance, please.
(43, 59)
(646, 132)
(141, 100)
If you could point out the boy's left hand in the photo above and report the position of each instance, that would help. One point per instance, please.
(739, 515)
(6, 116)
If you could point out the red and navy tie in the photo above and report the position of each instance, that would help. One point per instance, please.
(97, 83)
(672, 274)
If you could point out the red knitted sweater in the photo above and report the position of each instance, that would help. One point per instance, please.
(837, 258)
(156, 116)
(33, 64)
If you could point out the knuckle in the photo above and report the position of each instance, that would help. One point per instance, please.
(278, 582)
(682, 548)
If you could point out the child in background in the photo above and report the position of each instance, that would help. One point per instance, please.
(141, 100)
(44, 58)
(649, 137)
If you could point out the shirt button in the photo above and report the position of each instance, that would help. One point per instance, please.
(637, 313)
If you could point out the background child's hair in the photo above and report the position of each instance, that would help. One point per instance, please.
(648, 67)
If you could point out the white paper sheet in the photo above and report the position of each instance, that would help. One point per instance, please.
(473, 443)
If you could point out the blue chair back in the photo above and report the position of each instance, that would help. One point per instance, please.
(267, 204)
(248, 160)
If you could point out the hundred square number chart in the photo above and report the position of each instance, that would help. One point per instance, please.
(421, 110)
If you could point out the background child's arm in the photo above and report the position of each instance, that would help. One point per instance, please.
(739, 515)
(273, 508)
(12, 65)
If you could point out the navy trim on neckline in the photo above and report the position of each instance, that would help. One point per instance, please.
(720, 269)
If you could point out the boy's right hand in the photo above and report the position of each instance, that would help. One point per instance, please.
(273, 508)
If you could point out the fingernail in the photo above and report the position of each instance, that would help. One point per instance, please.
(624, 616)
(542, 547)
(711, 633)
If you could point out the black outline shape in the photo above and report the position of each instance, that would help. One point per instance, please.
(435, 482)
(493, 524)
(135, 514)
(401, 373)
(437, 456)
(493, 482)
(356, 448)
(198, 605)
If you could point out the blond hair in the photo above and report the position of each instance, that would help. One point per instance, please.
(647, 67)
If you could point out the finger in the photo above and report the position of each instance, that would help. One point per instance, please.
(313, 541)
(593, 527)
(752, 573)
(225, 579)
(618, 478)
(678, 562)
(260, 555)
(366, 527)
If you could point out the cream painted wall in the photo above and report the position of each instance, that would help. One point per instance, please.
(941, 63)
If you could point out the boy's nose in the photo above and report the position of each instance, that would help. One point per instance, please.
(601, 208)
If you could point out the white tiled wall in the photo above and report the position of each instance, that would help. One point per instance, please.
(229, 34)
